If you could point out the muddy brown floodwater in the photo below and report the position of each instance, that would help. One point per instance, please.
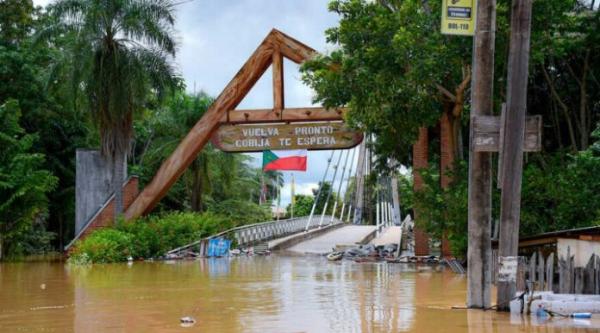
(259, 294)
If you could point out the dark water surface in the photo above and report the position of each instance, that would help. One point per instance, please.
(260, 294)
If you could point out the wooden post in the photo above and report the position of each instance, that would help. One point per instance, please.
(512, 149)
(540, 272)
(550, 272)
(480, 181)
(277, 71)
(532, 270)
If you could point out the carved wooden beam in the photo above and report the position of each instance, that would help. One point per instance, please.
(285, 115)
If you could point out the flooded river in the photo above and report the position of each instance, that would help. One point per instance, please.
(259, 294)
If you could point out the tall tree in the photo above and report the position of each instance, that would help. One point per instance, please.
(121, 50)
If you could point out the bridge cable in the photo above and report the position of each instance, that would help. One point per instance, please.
(336, 168)
(347, 184)
(339, 191)
(314, 206)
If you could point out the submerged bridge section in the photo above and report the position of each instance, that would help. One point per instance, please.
(266, 235)
(348, 235)
(297, 235)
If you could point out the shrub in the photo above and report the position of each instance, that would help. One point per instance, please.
(103, 246)
(147, 237)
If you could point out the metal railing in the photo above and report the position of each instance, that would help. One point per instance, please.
(253, 234)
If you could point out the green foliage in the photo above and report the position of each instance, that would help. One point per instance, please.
(23, 182)
(302, 205)
(16, 20)
(405, 189)
(148, 237)
(560, 192)
(445, 210)
(104, 246)
(241, 212)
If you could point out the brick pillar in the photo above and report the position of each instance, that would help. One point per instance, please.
(420, 161)
(446, 161)
(105, 216)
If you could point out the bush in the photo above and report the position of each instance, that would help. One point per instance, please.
(103, 246)
(147, 237)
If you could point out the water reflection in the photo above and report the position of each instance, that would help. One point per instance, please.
(260, 294)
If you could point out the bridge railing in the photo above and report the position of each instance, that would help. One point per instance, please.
(253, 234)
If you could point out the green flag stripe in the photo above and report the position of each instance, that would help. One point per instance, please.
(268, 157)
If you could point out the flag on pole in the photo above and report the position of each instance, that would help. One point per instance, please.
(284, 160)
(293, 194)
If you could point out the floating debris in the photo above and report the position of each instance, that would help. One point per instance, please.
(187, 321)
(335, 256)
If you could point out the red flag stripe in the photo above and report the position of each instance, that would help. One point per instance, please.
(288, 163)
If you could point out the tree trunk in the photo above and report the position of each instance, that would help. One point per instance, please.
(420, 161)
(118, 179)
(1, 248)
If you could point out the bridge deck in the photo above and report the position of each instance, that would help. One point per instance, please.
(347, 235)
(389, 235)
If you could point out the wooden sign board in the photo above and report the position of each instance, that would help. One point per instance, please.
(486, 134)
(458, 17)
(311, 136)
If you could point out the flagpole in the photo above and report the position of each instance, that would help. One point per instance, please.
(293, 190)
(278, 200)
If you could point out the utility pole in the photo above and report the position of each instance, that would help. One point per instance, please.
(512, 148)
(480, 181)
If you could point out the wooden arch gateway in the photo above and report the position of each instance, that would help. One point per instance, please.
(270, 52)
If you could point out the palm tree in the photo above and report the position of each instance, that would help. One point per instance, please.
(120, 53)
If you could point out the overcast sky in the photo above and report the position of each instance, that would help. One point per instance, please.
(217, 36)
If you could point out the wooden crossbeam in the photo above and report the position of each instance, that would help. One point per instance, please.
(285, 115)
(173, 167)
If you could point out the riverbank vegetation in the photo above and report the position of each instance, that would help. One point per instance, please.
(148, 237)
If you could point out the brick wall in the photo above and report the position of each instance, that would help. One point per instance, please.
(446, 161)
(420, 160)
(105, 217)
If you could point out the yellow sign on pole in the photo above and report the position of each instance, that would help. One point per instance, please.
(458, 17)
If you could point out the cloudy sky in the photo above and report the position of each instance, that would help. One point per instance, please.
(217, 36)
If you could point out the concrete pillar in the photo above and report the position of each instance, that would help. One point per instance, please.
(93, 177)
(420, 161)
